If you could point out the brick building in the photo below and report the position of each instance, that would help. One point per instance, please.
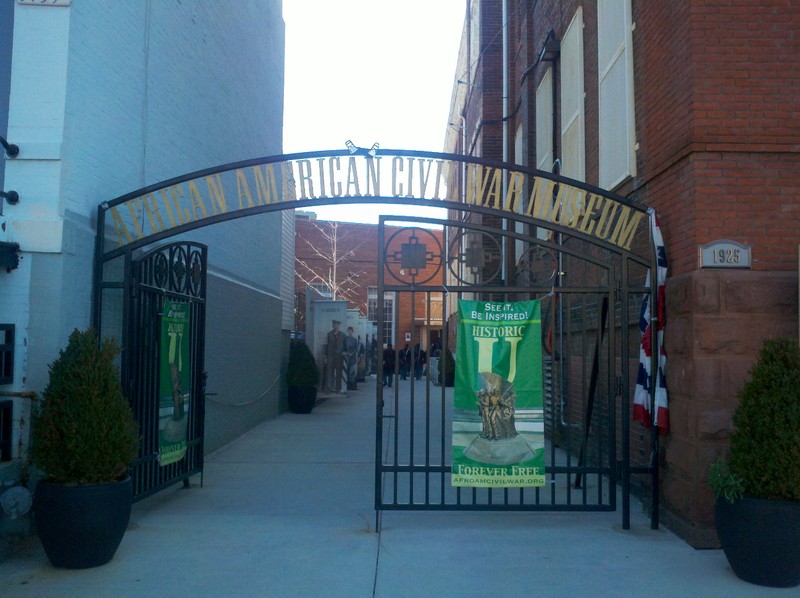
(688, 107)
(341, 259)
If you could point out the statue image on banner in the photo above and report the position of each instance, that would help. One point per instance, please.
(174, 382)
(499, 442)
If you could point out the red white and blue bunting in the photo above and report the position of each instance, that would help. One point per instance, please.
(644, 395)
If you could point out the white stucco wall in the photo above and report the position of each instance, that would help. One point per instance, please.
(107, 97)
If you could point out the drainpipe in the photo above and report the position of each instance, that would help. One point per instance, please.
(505, 84)
(467, 93)
(463, 118)
(506, 245)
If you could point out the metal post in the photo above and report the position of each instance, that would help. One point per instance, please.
(379, 382)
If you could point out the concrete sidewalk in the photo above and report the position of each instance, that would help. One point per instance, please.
(287, 510)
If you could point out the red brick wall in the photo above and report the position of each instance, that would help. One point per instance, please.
(717, 125)
(363, 240)
(718, 157)
(663, 79)
(746, 62)
(485, 107)
(717, 116)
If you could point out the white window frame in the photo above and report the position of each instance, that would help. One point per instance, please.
(388, 312)
(322, 289)
(544, 122)
(573, 111)
(544, 131)
(616, 119)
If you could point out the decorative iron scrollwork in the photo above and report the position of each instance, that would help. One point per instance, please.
(160, 270)
(176, 268)
(178, 259)
(195, 282)
(536, 266)
(475, 258)
(413, 255)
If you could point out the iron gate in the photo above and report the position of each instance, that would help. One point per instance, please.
(521, 233)
(590, 298)
(173, 272)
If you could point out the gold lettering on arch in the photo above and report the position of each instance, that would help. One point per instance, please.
(337, 178)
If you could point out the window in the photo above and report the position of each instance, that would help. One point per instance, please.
(544, 131)
(388, 313)
(617, 134)
(7, 353)
(372, 304)
(544, 122)
(321, 289)
(573, 134)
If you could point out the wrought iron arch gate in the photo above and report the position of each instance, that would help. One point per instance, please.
(590, 302)
(561, 241)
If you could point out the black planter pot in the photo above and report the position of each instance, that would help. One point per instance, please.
(82, 526)
(761, 540)
(302, 398)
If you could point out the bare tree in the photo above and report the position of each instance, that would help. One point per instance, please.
(331, 263)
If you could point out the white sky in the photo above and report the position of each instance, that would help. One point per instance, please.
(370, 71)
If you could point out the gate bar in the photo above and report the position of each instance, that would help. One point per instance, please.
(601, 332)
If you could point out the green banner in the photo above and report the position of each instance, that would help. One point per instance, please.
(498, 420)
(174, 382)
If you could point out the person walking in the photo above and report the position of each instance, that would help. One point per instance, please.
(389, 360)
(420, 359)
(405, 362)
(361, 368)
(367, 355)
(375, 349)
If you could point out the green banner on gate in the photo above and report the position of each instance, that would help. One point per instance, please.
(174, 382)
(498, 418)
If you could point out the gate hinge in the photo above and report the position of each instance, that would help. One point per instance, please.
(619, 386)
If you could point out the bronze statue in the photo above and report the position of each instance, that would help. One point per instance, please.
(499, 443)
(496, 405)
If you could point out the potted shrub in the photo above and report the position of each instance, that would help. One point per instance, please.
(302, 378)
(447, 368)
(757, 490)
(84, 437)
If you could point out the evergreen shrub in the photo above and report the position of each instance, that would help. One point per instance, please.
(84, 431)
(302, 368)
(764, 459)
